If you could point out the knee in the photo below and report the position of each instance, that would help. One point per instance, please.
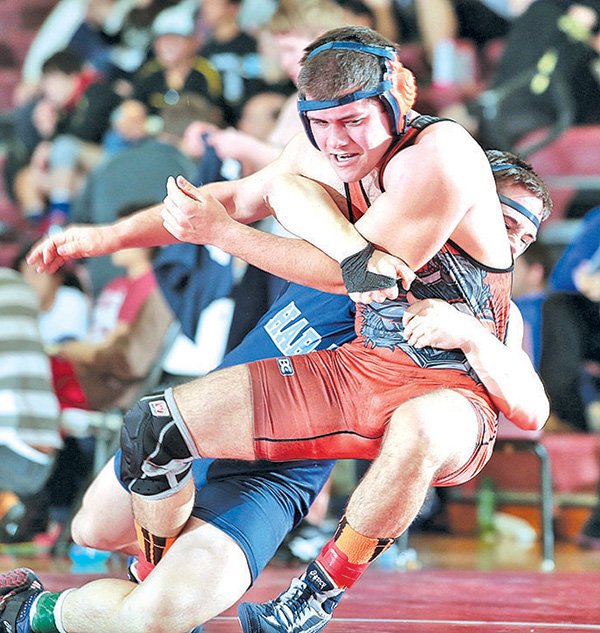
(85, 531)
(157, 449)
(64, 152)
(216, 566)
(414, 430)
(81, 533)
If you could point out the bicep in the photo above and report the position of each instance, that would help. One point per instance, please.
(411, 224)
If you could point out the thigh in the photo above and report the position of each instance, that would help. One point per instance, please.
(453, 429)
(217, 410)
(313, 407)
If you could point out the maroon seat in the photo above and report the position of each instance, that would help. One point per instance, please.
(569, 164)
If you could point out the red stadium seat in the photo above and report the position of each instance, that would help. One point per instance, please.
(568, 164)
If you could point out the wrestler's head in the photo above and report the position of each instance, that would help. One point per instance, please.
(524, 198)
(294, 25)
(354, 97)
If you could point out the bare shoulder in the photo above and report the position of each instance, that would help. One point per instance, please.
(443, 154)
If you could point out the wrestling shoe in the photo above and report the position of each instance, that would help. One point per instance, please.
(132, 572)
(306, 607)
(18, 590)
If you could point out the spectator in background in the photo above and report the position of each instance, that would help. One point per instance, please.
(97, 369)
(114, 38)
(176, 68)
(129, 319)
(293, 26)
(139, 173)
(529, 293)
(29, 412)
(571, 326)
(64, 307)
(59, 136)
(129, 126)
(550, 83)
(233, 52)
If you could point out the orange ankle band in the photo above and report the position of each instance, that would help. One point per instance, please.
(153, 547)
(358, 548)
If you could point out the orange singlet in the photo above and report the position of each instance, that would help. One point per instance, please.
(336, 403)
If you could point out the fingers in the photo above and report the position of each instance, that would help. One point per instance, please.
(416, 333)
(188, 189)
(46, 256)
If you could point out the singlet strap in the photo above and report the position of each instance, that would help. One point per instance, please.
(414, 128)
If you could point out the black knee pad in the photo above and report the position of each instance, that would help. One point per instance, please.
(157, 447)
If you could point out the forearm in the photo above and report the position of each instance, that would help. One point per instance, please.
(143, 229)
(294, 260)
(305, 209)
(510, 379)
(261, 153)
(78, 352)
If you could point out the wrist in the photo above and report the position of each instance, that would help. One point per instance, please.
(475, 338)
(227, 235)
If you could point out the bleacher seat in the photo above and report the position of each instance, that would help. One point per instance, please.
(568, 164)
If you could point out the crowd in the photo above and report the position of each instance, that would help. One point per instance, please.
(117, 96)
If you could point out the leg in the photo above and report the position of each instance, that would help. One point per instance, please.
(428, 438)
(218, 560)
(421, 444)
(215, 574)
(201, 405)
(94, 527)
(203, 556)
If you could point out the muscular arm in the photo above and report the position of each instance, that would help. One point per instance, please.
(421, 208)
(504, 369)
(291, 259)
(439, 188)
(192, 216)
(243, 200)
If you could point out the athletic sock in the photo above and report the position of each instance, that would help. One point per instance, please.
(152, 549)
(42, 616)
(348, 554)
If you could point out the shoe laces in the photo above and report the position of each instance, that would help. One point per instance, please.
(289, 608)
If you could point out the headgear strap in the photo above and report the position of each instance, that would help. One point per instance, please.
(513, 204)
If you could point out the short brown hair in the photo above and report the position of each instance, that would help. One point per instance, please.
(334, 73)
(512, 169)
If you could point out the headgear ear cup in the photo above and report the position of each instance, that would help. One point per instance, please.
(402, 94)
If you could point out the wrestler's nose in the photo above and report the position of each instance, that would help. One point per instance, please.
(337, 137)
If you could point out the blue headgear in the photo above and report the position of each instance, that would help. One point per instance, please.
(397, 89)
(513, 204)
